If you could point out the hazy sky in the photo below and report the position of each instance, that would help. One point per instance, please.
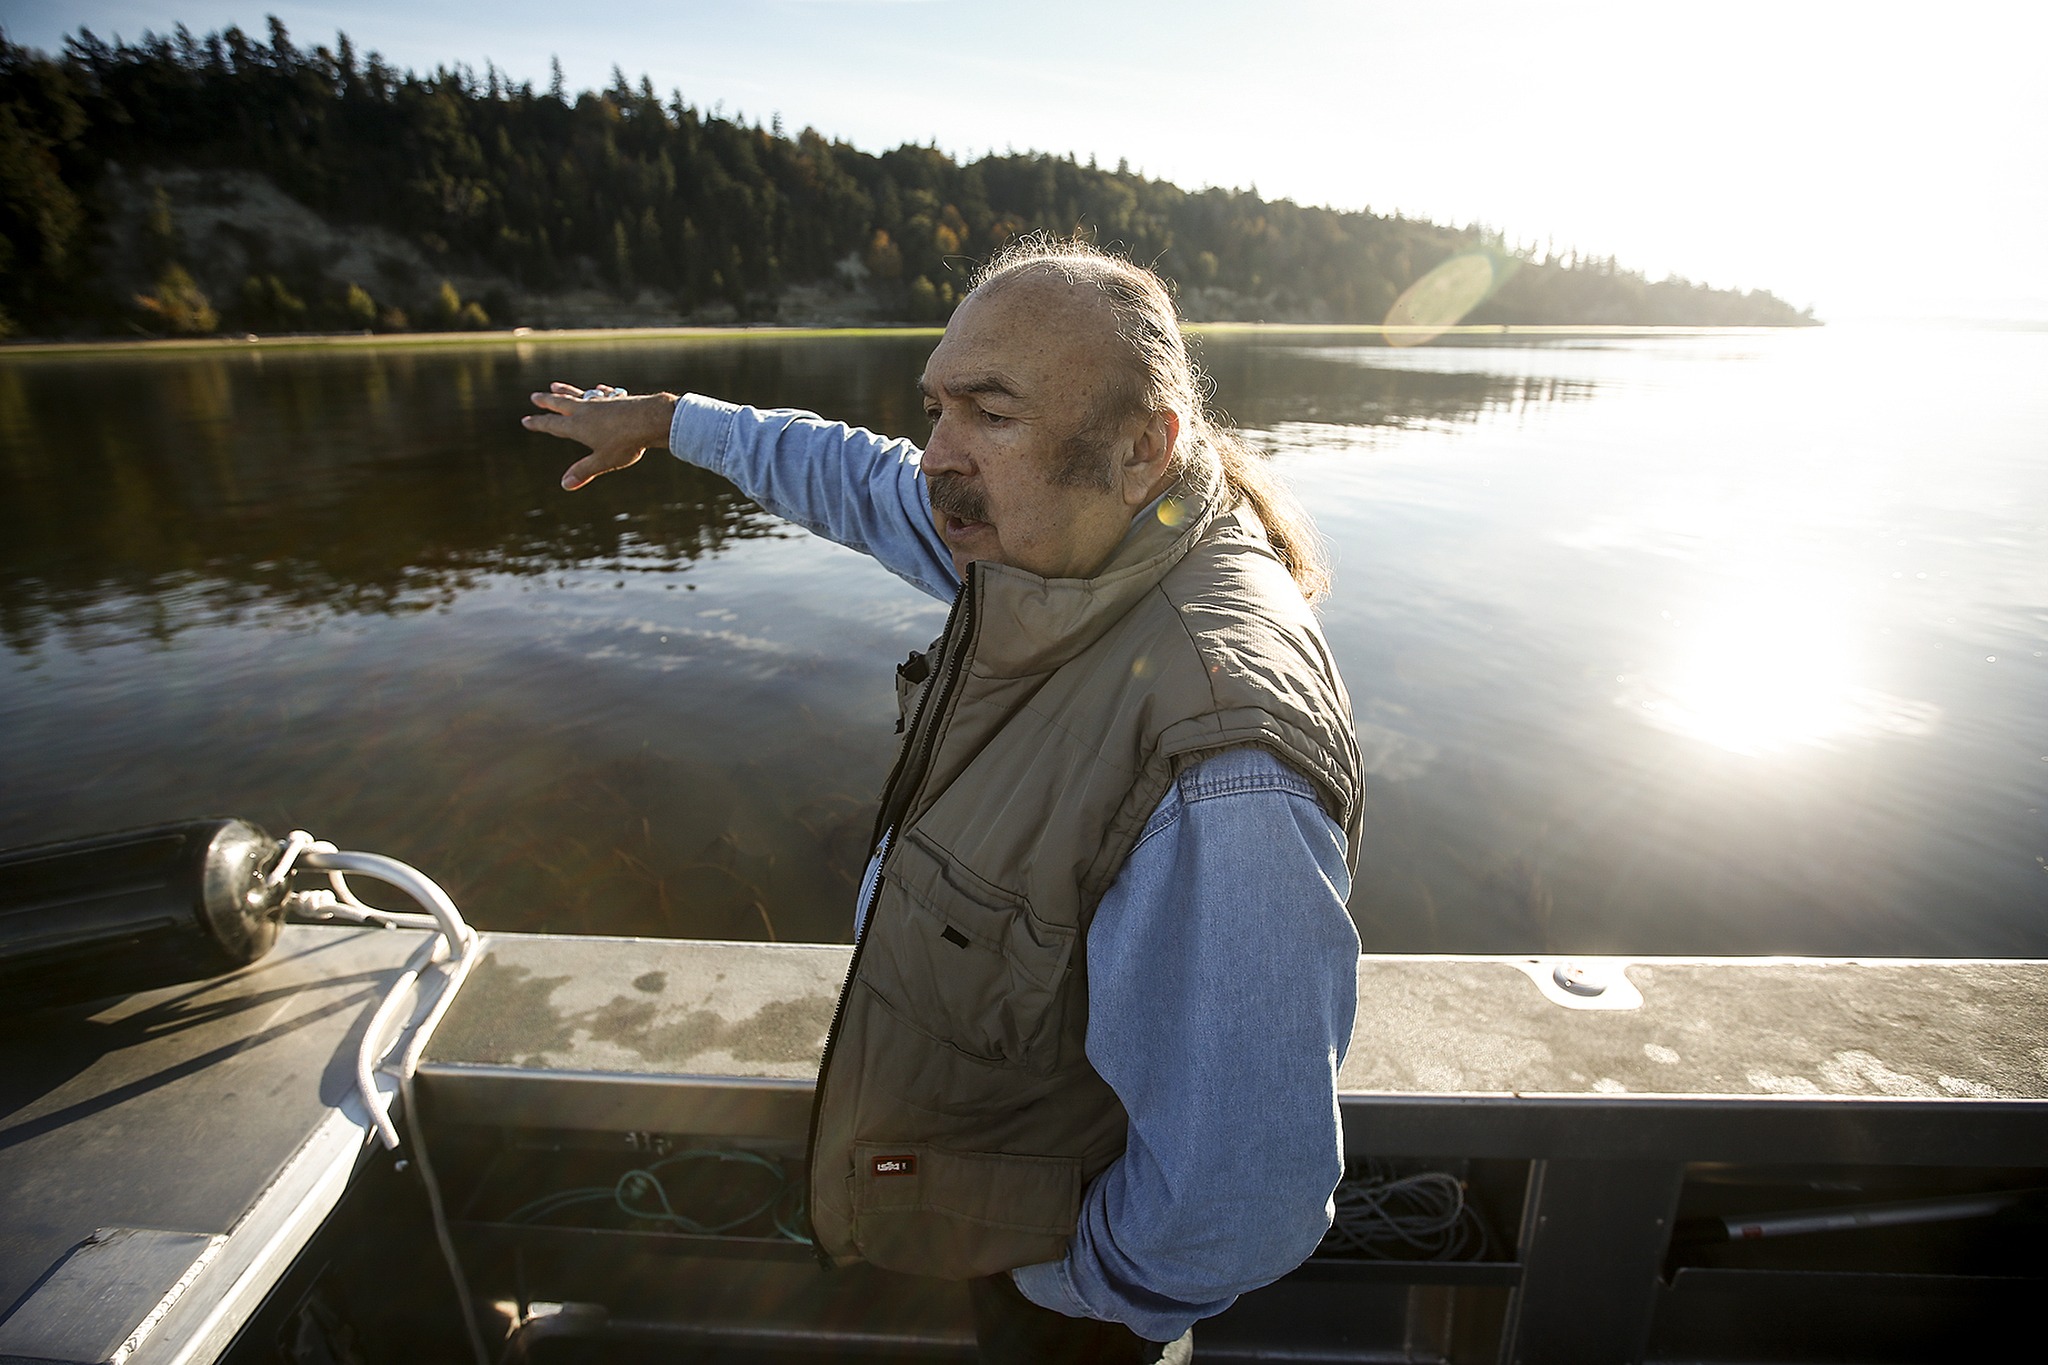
(1863, 158)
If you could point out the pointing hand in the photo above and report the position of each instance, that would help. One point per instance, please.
(618, 427)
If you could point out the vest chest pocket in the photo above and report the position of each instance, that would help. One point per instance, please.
(963, 961)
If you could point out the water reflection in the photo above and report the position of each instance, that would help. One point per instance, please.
(1717, 655)
(1767, 667)
(1344, 382)
(1715, 643)
(161, 495)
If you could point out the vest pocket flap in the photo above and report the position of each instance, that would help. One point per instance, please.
(980, 911)
(963, 961)
(917, 1206)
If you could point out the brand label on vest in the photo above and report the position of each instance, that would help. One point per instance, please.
(894, 1165)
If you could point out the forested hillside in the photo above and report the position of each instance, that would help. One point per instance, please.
(192, 184)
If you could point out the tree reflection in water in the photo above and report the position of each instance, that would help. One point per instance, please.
(340, 589)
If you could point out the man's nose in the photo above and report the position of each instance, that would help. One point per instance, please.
(945, 452)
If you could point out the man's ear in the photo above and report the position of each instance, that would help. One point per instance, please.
(1150, 455)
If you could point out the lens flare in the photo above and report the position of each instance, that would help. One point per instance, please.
(1439, 300)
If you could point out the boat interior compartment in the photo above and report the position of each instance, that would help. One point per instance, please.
(1660, 1160)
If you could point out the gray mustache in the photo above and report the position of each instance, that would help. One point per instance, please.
(952, 495)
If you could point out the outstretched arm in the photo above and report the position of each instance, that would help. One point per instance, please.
(847, 484)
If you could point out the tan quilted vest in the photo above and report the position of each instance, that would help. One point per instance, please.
(957, 1117)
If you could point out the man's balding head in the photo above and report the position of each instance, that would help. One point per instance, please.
(1036, 459)
(1145, 362)
(1150, 369)
(1075, 318)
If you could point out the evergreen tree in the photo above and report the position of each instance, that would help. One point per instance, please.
(618, 189)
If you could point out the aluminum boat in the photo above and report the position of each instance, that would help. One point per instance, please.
(244, 1117)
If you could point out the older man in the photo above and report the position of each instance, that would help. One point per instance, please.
(1086, 1055)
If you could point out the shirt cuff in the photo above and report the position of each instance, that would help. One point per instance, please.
(1048, 1285)
(701, 430)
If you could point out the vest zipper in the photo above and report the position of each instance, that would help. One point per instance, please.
(911, 762)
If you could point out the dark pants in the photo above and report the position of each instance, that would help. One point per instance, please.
(1012, 1330)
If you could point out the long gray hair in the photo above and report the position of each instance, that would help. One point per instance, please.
(1158, 376)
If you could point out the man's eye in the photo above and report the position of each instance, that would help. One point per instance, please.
(994, 419)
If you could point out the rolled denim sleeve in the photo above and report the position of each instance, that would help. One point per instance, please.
(847, 484)
(1222, 980)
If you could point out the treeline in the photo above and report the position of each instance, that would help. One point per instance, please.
(529, 194)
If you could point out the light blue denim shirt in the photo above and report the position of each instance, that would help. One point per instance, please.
(1222, 966)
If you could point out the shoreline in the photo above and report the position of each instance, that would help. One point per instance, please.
(588, 335)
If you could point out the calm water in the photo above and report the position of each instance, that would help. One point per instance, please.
(1725, 643)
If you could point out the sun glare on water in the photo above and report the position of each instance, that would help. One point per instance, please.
(1765, 669)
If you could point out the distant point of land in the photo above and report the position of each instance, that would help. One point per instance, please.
(190, 186)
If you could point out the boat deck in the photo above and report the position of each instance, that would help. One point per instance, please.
(224, 1109)
(195, 1161)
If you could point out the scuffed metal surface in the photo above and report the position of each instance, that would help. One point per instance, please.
(645, 1006)
(1919, 1030)
(1425, 1025)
